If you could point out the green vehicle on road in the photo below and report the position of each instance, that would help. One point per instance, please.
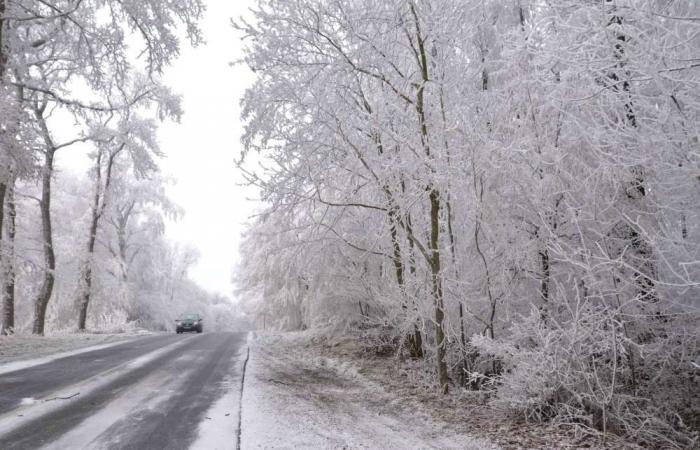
(189, 322)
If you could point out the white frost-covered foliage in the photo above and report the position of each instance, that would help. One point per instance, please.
(509, 189)
(90, 252)
(581, 372)
(140, 280)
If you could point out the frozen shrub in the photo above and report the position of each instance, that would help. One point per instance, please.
(584, 371)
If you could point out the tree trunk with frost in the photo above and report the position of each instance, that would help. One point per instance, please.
(42, 301)
(3, 66)
(436, 286)
(414, 338)
(98, 207)
(8, 264)
(435, 211)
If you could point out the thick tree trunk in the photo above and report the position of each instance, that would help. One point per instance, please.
(85, 297)
(436, 282)
(8, 307)
(42, 301)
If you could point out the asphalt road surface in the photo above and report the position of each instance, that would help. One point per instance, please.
(147, 393)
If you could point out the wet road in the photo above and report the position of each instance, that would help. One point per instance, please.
(149, 393)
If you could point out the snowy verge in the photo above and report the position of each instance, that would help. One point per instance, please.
(19, 352)
(291, 402)
(404, 388)
(220, 427)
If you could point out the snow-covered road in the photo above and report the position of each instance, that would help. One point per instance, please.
(162, 392)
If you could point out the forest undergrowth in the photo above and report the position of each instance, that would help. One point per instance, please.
(369, 360)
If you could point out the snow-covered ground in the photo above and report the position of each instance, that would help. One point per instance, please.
(290, 402)
(21, 350)
(302, 392)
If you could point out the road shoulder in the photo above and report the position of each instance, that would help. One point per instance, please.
(291, 401)
(297, 384)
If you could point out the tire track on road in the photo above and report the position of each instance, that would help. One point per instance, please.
(39, 381)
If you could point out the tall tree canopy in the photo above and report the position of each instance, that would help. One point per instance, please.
(509, 187)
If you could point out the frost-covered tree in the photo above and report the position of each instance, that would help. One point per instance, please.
(132, 137)
(61, 56)
(518, 178)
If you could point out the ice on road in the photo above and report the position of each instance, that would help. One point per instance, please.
(166, 392)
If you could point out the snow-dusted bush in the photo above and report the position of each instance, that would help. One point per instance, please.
(585, 371)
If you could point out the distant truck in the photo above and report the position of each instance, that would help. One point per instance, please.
(189, 322)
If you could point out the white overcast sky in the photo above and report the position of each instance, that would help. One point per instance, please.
(200, 150)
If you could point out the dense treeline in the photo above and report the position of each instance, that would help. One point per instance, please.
(83, 76)
(510, 188)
